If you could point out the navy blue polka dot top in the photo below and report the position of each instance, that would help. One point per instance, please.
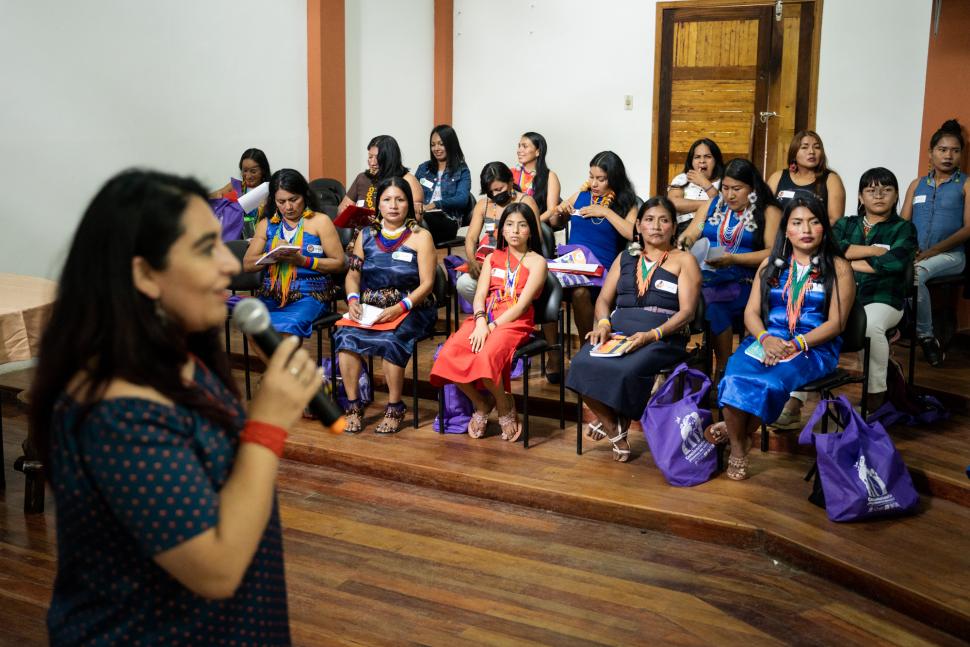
(135, 478)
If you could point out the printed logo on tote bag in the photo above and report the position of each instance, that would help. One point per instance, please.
(693, 445)
(879, 497)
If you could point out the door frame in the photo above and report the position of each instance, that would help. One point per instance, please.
(773, 66)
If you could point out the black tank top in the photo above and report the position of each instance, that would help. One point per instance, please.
(787, 189)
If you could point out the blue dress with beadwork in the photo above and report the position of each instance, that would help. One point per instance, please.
(598, 234)
(762, 390)
(726, 290)
(309, 291)
(387, 275)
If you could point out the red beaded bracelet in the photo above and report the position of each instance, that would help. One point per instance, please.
(261, 433)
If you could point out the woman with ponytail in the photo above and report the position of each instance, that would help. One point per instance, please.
(938, 206)
(803, 294)
(533, 177)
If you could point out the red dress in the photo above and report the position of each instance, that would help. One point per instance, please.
(457, 363)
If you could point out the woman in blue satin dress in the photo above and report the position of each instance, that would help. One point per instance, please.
(393, 268)
(801, 302)
(298, 287)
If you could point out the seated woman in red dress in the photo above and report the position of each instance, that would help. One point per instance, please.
(480, 352)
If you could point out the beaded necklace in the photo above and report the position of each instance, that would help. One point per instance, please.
(729, 236)
(369, 198)
(794, 292)
(282, 274)
(644, 269)
(606, 200)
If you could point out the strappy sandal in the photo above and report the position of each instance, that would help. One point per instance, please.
(737, 468)
(393, 415)
(619, 455)
(511, 428)
(477, 425)
(354, 417)
(716, 434)
(594, 431)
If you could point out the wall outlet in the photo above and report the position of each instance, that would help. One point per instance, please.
(628, 102)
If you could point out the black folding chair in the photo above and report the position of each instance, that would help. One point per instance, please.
(242, 282)
(325, 196)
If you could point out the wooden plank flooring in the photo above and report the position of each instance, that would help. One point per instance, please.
(377, 562)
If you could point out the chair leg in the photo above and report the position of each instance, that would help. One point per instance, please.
(249, 391)
(562, 377)
(414, 385)
(579, 424)
(228, 349)
(525, 411)
(333, 367)
(441, 410)
(568, 336)
(764, 437)
(3, 464)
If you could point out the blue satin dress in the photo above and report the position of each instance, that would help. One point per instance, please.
(762, 390)
(386, 277)
(726, 290)
(309, 291)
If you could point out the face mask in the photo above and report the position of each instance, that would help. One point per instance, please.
(502, 199)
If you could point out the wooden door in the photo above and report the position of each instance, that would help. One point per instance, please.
(740, 75)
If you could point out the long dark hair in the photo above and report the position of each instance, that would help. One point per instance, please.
(103, 325)
(495, 172)
(718, 171)
(535, 238)
(796, 143)
(388, 158)
(618, 180)
(540, 185)
(664, 203)
(259, 157)
(449, 138)
(877, 176)
(401, 183)
(743, 170)
(950, 128)
(289, 180)
(780, 258)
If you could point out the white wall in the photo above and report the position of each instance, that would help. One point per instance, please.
(872, 76)
(389, 62)
(562, 67)
(90, 88)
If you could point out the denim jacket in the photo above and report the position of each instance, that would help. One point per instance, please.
(455, 188)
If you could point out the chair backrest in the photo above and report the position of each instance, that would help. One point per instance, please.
(548, 237)
(440, 289)
(346, 235)
(244, 280)
(546, 306)
(854, 335)
(325, 192)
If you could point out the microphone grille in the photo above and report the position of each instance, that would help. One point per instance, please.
(251, 316)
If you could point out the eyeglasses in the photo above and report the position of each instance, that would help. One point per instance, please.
(879, 192)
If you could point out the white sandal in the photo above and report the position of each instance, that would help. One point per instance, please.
(619, 455)
(594, 431)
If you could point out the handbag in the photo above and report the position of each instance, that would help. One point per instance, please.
(862, 475)
(674, 429)
(364, 392)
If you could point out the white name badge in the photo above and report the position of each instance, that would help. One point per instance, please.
(427, 183)
(360, 203)
(406, 257)
(885, 247)
(498, 273)
(666, 286)
(785, 195)
(489, 227)
(919, 199)
(314, 249)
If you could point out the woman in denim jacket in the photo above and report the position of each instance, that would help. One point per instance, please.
(447, 184)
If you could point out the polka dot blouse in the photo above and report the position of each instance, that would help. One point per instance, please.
(132, 479)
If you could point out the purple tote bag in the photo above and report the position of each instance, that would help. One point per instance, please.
(862, 474)
(674, 428)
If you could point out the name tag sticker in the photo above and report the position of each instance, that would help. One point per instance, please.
(426, 182)
(498, 272)
(817, 287)
(919, 199)
(885, 247)
(785, 195)
(489, 227)
(406, 257)
(666, 286)
(314, 249)
(360, 203)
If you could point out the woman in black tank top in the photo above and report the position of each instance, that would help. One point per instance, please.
(807, 171)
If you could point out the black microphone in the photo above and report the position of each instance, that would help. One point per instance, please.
(252, 318)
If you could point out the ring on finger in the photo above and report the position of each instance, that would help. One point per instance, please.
(294, 371)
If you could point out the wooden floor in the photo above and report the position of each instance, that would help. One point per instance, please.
(377, 562)
(426, 539)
